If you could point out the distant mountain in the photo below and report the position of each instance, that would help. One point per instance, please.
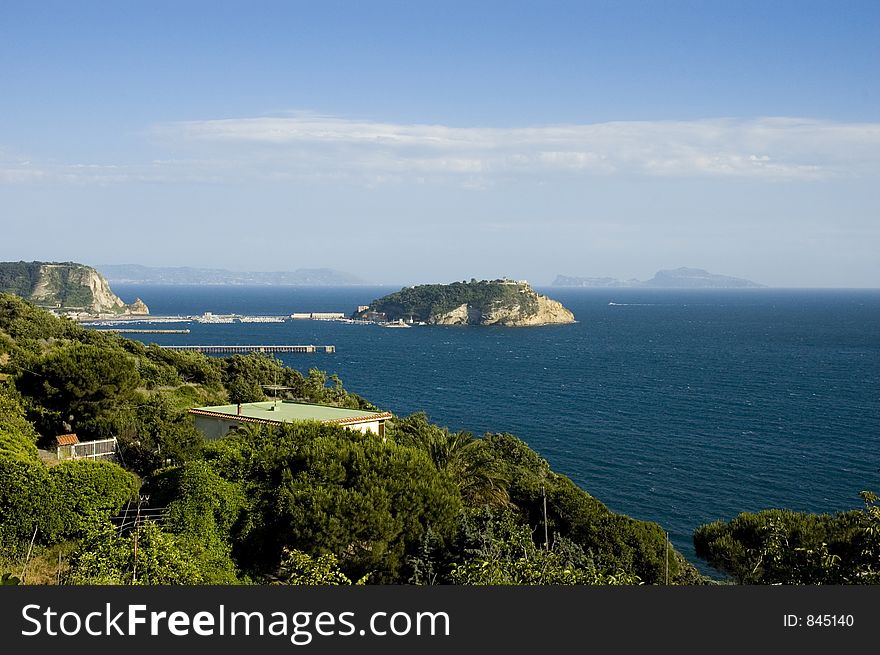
(66, 287)
(678, 278)
(685, 278)
(569, 281)
(137, 274)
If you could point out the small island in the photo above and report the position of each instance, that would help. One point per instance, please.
(502, 302)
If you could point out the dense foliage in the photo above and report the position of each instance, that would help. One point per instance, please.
(19, 278)
(78, 384)
(784, 547)
(298, 568)
(425, 301)
(322, 490)
(28, 504)
(18, 438)
(49, 505)
(614, 542)
(146, 556)
(87, 488)
(501, 550)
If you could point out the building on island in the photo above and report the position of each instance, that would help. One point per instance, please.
(214, 422)
(318, 316)
(376, 317)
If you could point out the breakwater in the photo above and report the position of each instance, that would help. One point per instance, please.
(235, 349)
(143, 331)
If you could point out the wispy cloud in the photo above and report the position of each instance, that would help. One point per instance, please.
(769, 147)
(16, 170)
(307, 147)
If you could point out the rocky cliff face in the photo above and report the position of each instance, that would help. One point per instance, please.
(138, 307)
(464, 314)
(65, 286)
(548, 312)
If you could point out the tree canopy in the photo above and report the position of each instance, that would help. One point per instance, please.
(784, 547)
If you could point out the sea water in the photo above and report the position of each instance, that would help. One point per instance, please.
(680, 407)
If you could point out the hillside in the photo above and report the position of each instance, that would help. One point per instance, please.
(678, 278)
(496, 302)
(301, 503)
(65, 286)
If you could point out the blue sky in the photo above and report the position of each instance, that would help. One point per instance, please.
(433, 141)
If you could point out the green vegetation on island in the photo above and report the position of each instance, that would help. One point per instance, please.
(64, 287)
(478, 302)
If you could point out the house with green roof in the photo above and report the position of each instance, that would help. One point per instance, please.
(215, 421)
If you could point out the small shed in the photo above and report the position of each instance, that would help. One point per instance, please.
(64, 445)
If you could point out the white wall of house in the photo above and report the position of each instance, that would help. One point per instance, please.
(363, 428)
(213, 427)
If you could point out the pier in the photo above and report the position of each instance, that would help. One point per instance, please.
(208, 350)
(144, 331)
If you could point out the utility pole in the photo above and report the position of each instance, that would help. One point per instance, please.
(124, 518)
(546, 532)
(667, 558)
(28, 558)
(137, 521)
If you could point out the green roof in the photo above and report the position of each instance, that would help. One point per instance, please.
(286, 411)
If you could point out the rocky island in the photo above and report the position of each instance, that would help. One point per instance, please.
(478, 302)
(65, 287)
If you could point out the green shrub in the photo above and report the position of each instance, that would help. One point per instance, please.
(84, 488)
(28, 502)
(17, 435)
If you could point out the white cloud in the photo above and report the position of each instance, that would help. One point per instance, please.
(768, 147)
(308, 147)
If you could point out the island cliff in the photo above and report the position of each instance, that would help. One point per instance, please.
(496, 302)
(68, 287)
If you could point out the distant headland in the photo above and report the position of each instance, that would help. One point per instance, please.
(678, 278)
(65, 288)
(137, 274)
(501, 302)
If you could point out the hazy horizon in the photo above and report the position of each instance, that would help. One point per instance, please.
(461, 278)
(408, 143)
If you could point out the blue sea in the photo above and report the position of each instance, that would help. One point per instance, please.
(680, 407)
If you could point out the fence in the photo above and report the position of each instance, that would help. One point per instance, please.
(101, 449)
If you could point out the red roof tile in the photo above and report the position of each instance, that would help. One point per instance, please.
(66, 439)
